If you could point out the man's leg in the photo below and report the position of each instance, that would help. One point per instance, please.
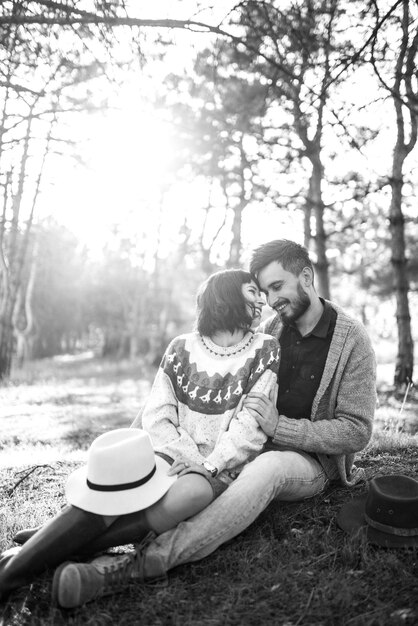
(285, 475)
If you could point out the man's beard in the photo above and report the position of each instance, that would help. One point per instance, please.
(297, 307)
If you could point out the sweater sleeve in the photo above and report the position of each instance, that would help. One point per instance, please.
(243, 439)
(160, 419)
(346, 427)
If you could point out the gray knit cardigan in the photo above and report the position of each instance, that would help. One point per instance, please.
(344, 405)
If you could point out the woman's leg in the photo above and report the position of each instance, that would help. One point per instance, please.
(59, 539)
(187, 496)
(76, 532)
(123, 529)
(75, 584)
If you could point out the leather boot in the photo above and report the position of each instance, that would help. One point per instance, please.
(22, 536)
(130, 528)
(74, 584)
(60, 538)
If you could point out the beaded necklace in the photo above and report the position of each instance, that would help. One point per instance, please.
(226, 351)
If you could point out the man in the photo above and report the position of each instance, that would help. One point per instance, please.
(323, 415)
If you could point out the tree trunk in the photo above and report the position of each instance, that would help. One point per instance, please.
(6, 343)
(405, 356)
(18, 247)
(404, 83)
(315, 201)
(23, 332)
(236, 242)
(9, 295)
(235, 249)
(307, 234)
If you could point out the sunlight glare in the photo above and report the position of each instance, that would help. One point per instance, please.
(129, 156)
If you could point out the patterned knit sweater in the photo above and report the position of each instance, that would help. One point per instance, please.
(194, 412)
(343, 409)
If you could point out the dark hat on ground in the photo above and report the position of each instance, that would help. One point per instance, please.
(387, 515)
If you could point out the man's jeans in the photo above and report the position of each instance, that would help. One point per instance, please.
(284, 475)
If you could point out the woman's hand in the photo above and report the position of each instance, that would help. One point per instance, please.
(181, 468)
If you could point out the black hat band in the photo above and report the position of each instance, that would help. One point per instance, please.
(122, 486)
(391, 530)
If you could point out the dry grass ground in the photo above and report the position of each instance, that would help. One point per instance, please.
(293, 567)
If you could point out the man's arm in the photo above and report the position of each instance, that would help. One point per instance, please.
(244, 438)
(347, 430)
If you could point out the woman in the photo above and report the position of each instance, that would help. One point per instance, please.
(197, 424)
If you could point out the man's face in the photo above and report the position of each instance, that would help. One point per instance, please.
(284, 290)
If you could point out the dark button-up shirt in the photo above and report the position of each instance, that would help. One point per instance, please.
(302, 364)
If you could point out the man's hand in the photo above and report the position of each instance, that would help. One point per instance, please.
(264, 411)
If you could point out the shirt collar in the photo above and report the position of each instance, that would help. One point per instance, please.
(323, 325)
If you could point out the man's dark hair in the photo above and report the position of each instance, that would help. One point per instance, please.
(291, 256)
(221, 304)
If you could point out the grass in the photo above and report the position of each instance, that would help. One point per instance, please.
(292, 567)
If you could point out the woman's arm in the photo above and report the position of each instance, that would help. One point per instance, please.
(243, 439)
(160, 419)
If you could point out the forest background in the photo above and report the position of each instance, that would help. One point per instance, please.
(144, 148)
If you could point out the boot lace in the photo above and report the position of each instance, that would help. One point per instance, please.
(139, 573)
(116, 575)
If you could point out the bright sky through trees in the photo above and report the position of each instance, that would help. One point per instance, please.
(127, 150)
(128, 153)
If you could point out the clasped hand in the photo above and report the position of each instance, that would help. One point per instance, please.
(263, 410)
(181, 468)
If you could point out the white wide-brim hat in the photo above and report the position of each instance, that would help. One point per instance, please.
(123, 474)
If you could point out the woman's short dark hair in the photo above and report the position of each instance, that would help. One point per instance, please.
(291, 256)
(221, 304)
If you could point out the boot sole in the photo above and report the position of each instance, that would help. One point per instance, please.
(72, 596)
(55, 583)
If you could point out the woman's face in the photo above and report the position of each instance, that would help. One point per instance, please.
(255, 301)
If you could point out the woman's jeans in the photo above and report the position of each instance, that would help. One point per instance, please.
(285, 475)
